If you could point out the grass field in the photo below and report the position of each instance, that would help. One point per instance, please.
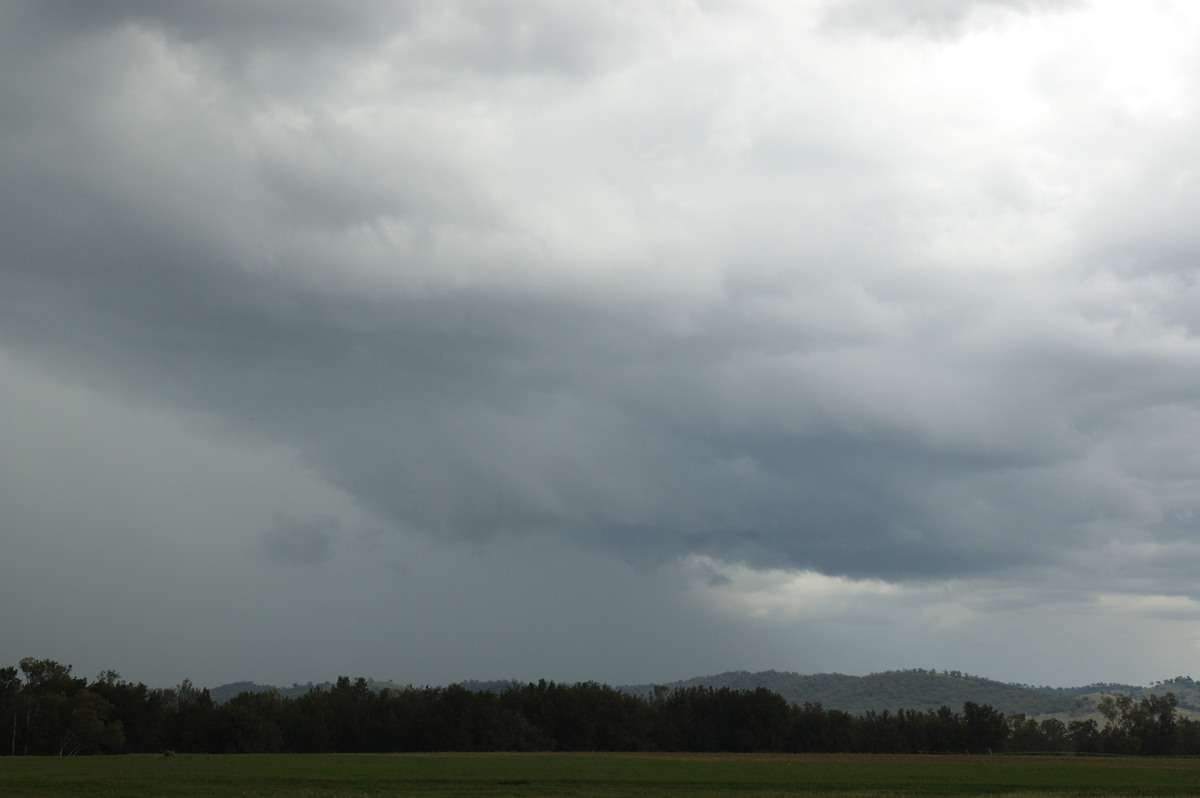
(358, 776)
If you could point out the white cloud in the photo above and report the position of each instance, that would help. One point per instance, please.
(783, 595)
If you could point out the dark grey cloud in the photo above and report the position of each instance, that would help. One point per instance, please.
(621, 281)
(298, 541)
(757, 434)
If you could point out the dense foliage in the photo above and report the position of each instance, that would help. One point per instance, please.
(46, 710)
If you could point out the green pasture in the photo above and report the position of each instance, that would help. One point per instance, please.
(361, 775)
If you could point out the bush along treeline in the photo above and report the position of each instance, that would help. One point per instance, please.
(44, 710)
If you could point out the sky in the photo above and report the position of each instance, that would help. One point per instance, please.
(626, 342)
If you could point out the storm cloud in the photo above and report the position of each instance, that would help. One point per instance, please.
(723, 297)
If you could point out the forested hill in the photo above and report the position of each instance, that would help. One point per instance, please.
(906, 689)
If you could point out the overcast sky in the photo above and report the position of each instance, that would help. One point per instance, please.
(634, 341)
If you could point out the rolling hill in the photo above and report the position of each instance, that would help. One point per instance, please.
(892, 690)
(901, 689)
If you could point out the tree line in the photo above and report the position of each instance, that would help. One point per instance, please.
(45, 710)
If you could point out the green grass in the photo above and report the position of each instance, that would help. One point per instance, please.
(358, 776)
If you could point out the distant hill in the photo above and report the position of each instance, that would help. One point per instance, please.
(904, 689)
(925, 689)
(1185, 689)
(907, 689)
(225, 692)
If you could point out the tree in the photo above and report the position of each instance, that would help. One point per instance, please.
(1084, 736)
(249, 724)
(984, 727)
(10, 688)
(944, 729)
(1158, 725)
(45, 698)
(1149, 726)
(143, 712)
(85, 725)
(190, 718)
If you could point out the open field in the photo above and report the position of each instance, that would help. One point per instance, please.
(588, 775)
